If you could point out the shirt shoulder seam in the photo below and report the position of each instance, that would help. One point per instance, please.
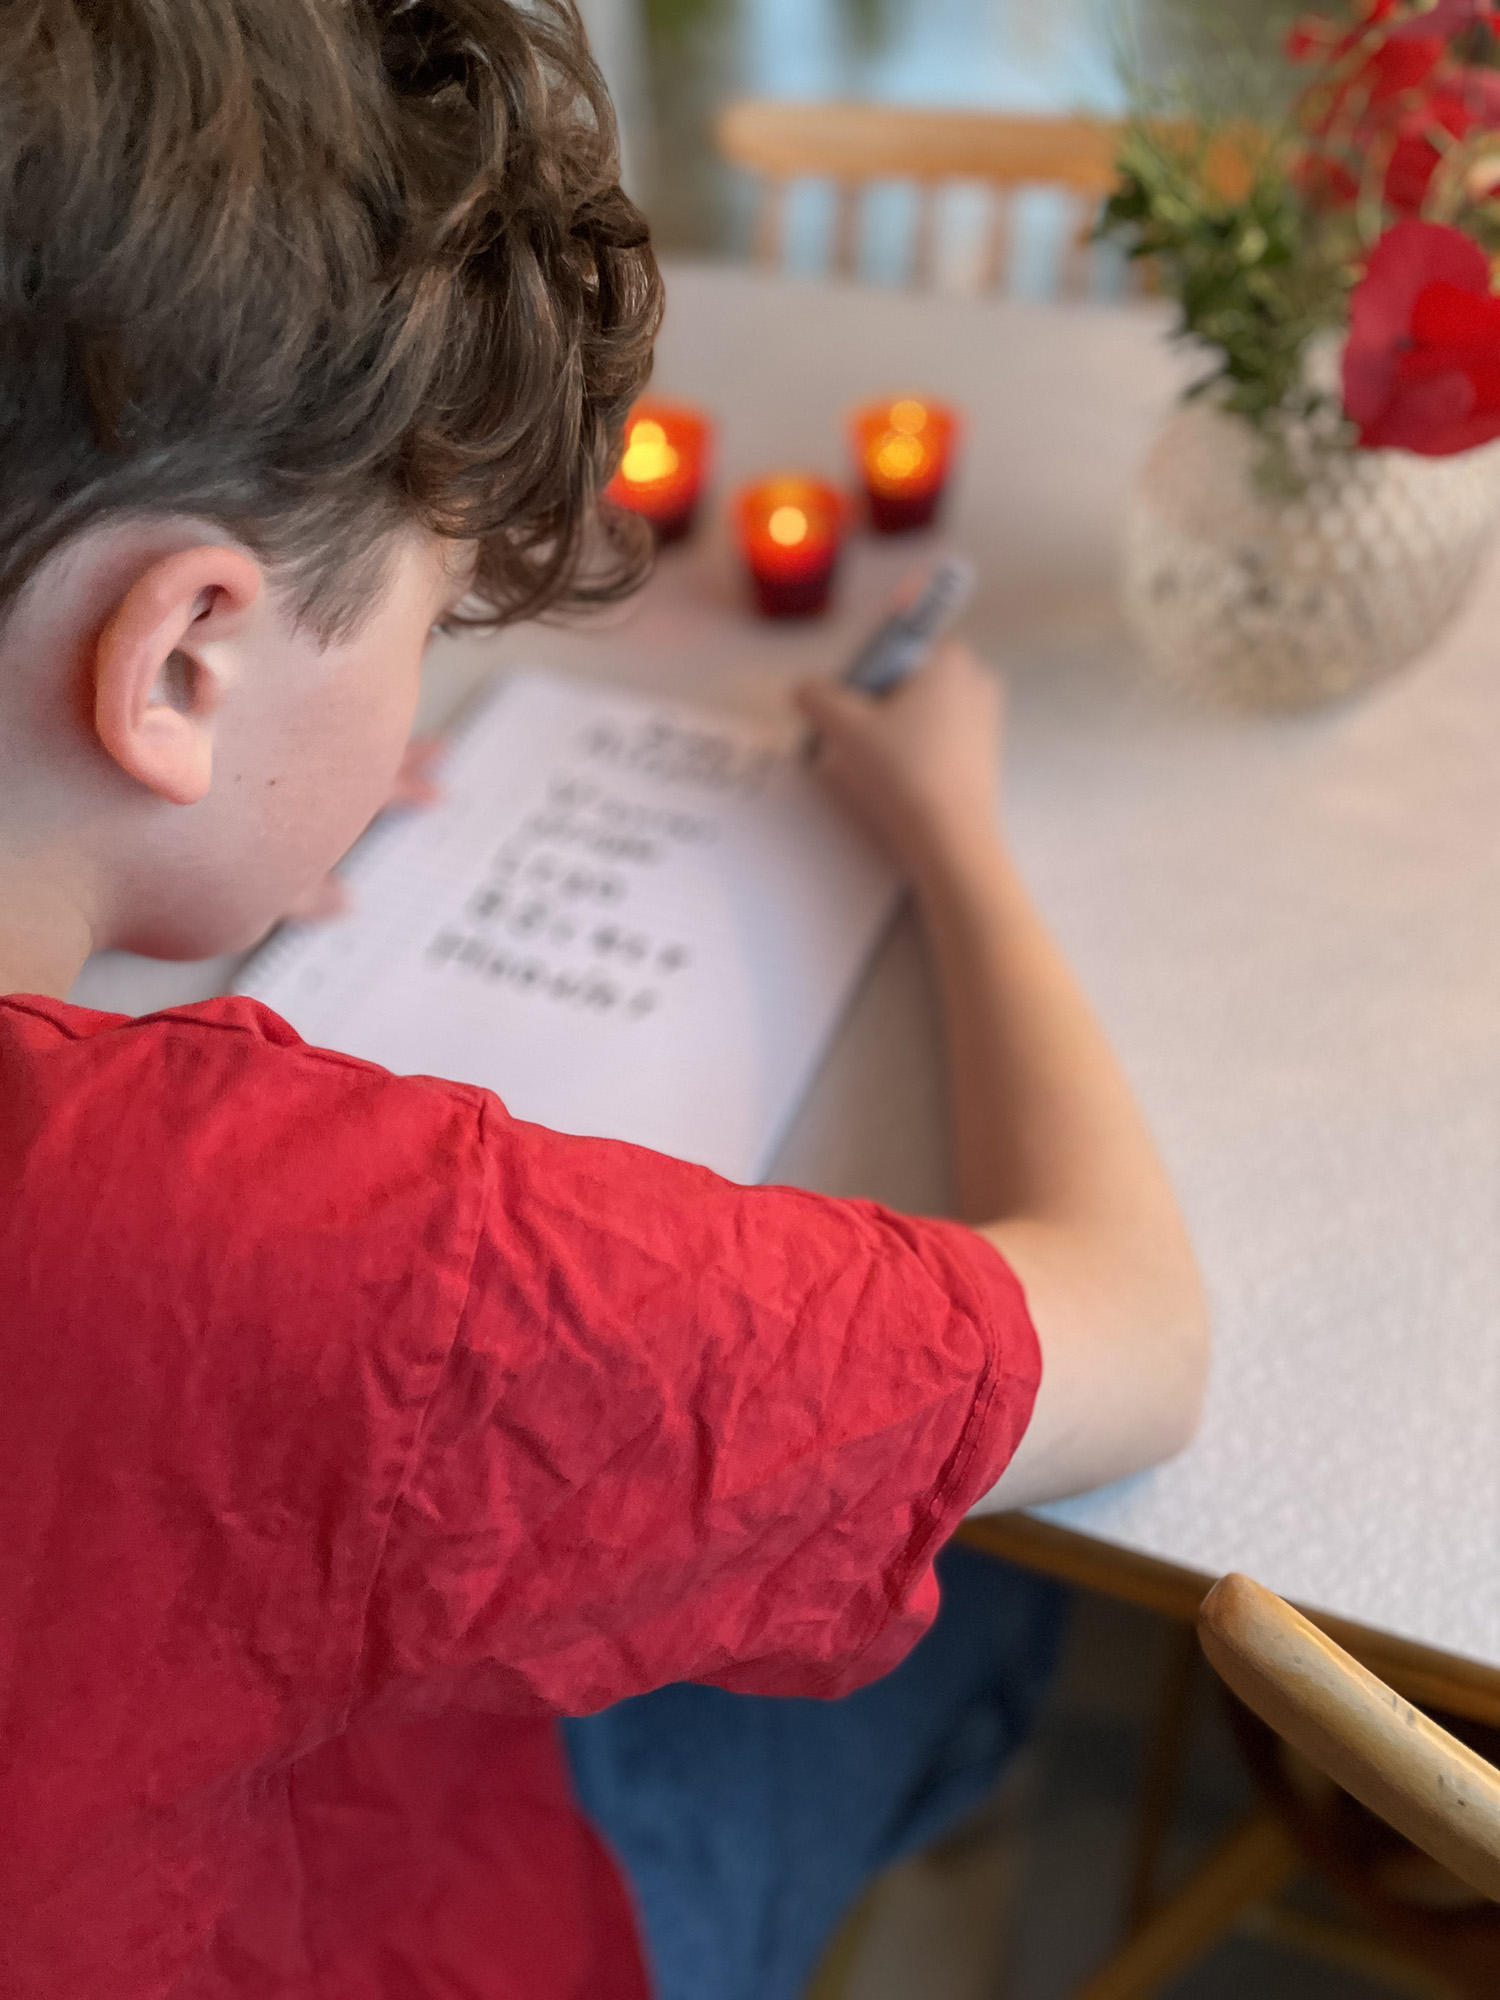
(309, 1051)
(16, 1003)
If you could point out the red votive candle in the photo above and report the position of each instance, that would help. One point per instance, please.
(662, 467)
(790, 530)
(904, 449)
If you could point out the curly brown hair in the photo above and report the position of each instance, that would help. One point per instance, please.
(317, 270)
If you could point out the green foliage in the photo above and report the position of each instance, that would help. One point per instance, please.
(1224, 57)
(671, 23)
(1207, 195)
(1256, 274)
(868, 23)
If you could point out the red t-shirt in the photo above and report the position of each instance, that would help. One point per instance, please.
(349, 1431)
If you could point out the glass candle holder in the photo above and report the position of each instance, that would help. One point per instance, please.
(791, 528)
(905, 451)
(663, 466)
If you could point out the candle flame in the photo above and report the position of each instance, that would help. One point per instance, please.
(787, 527)
(908, 416)
(648, 457)
(899, 456)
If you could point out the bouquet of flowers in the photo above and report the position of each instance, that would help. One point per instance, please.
(1372, 215)
(1315, 518)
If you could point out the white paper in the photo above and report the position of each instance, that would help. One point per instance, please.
(627, 917)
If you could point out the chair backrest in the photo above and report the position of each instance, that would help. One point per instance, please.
(855, 144)
(1390, 1756)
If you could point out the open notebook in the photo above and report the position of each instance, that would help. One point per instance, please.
(627, 917)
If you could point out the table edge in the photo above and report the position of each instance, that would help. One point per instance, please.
(1424, 1674)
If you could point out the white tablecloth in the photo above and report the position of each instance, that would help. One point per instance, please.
(1288, 927)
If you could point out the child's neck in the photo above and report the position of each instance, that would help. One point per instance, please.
(45, 935)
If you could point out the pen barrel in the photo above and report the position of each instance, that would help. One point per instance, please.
(895, 652)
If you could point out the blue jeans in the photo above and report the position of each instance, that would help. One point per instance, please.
(746, 1826)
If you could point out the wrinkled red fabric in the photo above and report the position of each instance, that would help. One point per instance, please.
(350, 1432)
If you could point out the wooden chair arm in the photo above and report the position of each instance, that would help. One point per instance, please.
(1386, 1753)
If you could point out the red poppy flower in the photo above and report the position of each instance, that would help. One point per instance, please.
(1478, 90)
(1446, 19)
(1412, 144)
(1402, 62)
(1310, 39)
(1401, 58)
(1319, 38)
(1390, 89)
(1418, 151)
(1422, 364)
(1389, 66)
(1324, 182)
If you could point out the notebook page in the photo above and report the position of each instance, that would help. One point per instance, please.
(627, 917)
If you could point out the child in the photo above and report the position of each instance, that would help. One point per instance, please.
(351, 1433)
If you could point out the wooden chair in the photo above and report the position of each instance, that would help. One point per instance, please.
(1349, 1774)
(853, 145)
(1356, 1730)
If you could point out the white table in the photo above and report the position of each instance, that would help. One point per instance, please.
(1291, 928)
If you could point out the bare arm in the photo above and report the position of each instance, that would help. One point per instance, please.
(1054, 1163)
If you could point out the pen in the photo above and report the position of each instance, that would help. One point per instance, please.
(901, 642)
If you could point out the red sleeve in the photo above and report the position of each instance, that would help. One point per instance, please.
(694, 1431)
(352, 1381)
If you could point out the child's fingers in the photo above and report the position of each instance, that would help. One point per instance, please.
(325, 898)
(850, 788)
(843, 719)
(951, 666)
(415, 784)
(829, 706)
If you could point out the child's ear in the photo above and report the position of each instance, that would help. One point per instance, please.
(164, 663)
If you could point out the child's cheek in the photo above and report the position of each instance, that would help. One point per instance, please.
(341, 763)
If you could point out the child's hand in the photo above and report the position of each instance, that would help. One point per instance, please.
(919, 767)
(414, 786)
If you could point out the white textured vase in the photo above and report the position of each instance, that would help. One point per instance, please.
(1268, 602)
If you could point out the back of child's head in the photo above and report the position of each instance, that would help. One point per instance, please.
(317, 270)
